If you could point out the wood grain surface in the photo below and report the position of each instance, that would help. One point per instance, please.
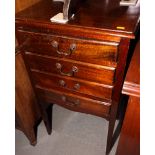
(23, 4)
(102, 31)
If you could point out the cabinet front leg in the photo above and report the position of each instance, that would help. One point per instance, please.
(46, 110)
(110, 136)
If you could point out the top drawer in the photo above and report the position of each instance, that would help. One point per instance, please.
(97, 52)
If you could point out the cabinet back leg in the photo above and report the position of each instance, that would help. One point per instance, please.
(46, 110)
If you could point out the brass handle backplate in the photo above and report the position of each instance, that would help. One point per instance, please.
(62, 83)
(77, 86)
(70, 103)
(72, 48)
(71, 73)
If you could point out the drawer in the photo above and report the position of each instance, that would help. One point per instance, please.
(97, 52)
(74, 102)
(95, 73)
(72, 85)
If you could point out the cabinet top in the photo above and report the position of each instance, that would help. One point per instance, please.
(100, 15)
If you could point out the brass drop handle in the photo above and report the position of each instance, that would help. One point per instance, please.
(70, 103)
(72, 48)
(62, 83)
(71, 73)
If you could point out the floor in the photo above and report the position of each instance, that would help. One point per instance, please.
(73, 134)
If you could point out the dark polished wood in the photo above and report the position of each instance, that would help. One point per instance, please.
(98, 52)
(101, 74)
(129, 142)
(91, 49)
(97, 17)
(131, 84)
(124, 45)
(27, 110)
(74, 102)
(46, 111)
(73, 85)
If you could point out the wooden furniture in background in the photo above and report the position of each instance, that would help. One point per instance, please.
(23, 4)
(129, 142)
(78, 65)
(27, 111)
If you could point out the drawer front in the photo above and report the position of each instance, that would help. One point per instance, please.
(95, 73)
(74, 102)
(97, 52)
(72, 85)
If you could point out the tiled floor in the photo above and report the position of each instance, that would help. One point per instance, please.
(73, 134)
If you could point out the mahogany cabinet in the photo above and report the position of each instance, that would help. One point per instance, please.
(78, 65)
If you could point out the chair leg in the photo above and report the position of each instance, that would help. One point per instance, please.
(46, 110)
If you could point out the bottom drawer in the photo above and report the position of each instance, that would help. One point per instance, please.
(74, 102)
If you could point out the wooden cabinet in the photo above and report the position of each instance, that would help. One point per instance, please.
(78, 65)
